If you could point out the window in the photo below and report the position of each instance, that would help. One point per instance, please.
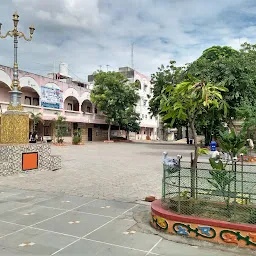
(144, 103)
(27, 100)
(146, 116)
(88, 110)
(70, 106)
(142, 116)
(95, 110)
(35, 101)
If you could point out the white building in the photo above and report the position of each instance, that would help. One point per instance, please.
(148, 124)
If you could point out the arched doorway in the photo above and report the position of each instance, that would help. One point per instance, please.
(87, 107)
(4, 95)
(71, 103)
(29, 96)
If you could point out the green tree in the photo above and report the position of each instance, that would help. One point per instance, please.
(169, 75)
(60, 127)
(36, 119)
(187, 101)
(233, 69)
(113, 94)
(130, 122)
(247, 113)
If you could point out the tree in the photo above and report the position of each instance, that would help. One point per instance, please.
(187, 101)
(247, 113)
(130, 122)
(36, 119)
(233, 69)
(60, 127)
(165, 76)
(113, 94)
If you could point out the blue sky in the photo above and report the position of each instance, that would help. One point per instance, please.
(89, 33)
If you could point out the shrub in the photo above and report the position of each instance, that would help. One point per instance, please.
(76, 139)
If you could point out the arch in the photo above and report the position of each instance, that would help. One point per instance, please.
(5, 78)
(71, 92)
(87, 106)
(4, 95)
(85, 96)
(52, 85)
(71, 103)
(30, 96)
(27, 81)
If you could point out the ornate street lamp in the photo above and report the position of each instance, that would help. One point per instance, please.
(15, 93)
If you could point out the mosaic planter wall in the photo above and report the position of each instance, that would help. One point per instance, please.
(242, 235)
(24, 157)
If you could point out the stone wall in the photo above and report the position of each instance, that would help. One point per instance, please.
(11, 158)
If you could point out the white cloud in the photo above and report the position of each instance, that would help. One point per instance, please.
(89, 33)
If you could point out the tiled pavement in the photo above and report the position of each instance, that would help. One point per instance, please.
(38, 223)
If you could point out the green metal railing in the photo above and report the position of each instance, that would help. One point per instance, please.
(228, 194)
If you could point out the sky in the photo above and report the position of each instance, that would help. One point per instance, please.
(88, 34)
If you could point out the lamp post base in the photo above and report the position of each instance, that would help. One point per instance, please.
(15, 100)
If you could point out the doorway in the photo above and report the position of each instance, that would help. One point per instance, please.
(89, 134)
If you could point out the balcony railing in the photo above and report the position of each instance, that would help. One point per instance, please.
(50, 113)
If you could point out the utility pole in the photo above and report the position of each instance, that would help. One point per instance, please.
(100, 67)
(107, 67)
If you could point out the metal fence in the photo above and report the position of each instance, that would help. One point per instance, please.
(226, 194)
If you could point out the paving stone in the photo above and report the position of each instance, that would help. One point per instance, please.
(29, 215)
(89, 248)
(7, 228)
(87, 223)
(33, 242)
(116, 233)
(105, 207)
(65, 202)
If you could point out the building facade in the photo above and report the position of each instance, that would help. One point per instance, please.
(56, 94)
(148, 124)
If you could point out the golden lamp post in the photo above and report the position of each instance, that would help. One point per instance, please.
(15, 122)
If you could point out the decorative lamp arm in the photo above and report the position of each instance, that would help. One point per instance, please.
(9, 33)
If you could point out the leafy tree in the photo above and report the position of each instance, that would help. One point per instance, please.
(165, 76)
(232, 143)
(218, 52)
(247, 113)
(130, 122)
(113, 94)
(233, 69)
(60, 127)
(36, 119)
(188, 101)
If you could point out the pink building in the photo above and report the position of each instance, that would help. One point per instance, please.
(56, 94)
(59, 93)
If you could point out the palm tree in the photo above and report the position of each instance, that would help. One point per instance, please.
(36, 118)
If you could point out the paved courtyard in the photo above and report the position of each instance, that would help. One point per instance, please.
(121, 171)
(89, 206)
(43, 223)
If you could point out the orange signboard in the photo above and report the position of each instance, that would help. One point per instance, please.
(29, 161)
